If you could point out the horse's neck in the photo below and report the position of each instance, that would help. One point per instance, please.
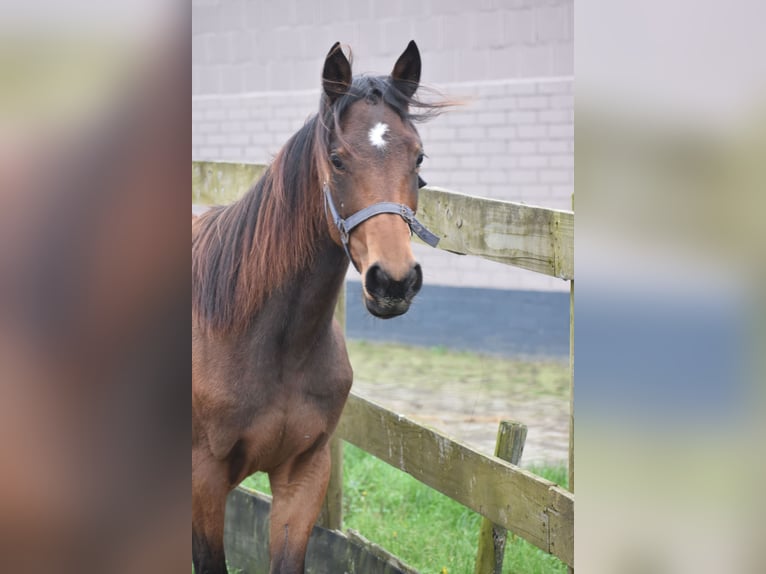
(307, 302)
(318, 285)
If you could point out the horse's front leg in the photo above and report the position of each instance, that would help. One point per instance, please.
(298, 488)
(209, 491)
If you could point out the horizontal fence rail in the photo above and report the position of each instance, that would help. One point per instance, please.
(246, 540)
(219, 183)
(535, 238)
(534, 508)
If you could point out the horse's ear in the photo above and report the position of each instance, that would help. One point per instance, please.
(406, 73)
(336, 77)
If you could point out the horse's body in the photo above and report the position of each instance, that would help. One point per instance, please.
(270, 372)
(269, 401)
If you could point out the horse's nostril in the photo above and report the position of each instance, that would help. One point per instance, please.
(376, 280)
(415, 279)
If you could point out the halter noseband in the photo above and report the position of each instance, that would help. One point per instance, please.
(345, 226)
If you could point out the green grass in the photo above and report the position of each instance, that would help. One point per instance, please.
(427, 530)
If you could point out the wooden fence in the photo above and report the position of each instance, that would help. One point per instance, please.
(534, 238)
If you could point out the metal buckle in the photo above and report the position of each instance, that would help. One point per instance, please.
(341, 224)
(406, 214)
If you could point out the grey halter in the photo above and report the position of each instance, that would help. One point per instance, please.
(345, 226)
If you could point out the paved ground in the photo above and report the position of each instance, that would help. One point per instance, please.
(529, 324)
(516, 324)
(474, 419)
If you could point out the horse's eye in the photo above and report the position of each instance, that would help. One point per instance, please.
(419, 160)
(336, 161)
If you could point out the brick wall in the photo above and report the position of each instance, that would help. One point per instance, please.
(269, 45)
(257, 65)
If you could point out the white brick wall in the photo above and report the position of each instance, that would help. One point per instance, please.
(256, 68)
(257, 45)
(512, 141)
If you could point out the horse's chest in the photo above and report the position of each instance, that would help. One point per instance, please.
(312, 405)
(303, 411)
(289, 430)
(281, 405)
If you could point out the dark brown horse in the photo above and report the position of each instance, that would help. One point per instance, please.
(270, 372)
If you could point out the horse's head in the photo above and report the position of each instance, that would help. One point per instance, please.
(371, 178)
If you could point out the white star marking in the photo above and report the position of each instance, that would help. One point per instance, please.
(376, 135)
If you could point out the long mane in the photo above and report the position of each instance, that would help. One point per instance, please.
(243, 252)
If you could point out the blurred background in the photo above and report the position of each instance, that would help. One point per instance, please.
(94, 288)
(669, 401)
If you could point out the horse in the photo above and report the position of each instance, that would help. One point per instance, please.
(270, 370)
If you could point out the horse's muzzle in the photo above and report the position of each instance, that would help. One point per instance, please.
(387, 297)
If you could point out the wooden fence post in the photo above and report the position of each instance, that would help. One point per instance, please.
(331, 515)
(509, 446)
(571, 387)
(571, 465)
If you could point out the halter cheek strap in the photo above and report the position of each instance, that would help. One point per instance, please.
(345, 226)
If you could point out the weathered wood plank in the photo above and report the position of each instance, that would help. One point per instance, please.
(561, 525)
(535, 238)
(219, 183)
(509, 446)
(511, 497)
(331, 513)
(571, 465)
(511, 438)
(329, 551)
(571, 462)
(377, 550)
